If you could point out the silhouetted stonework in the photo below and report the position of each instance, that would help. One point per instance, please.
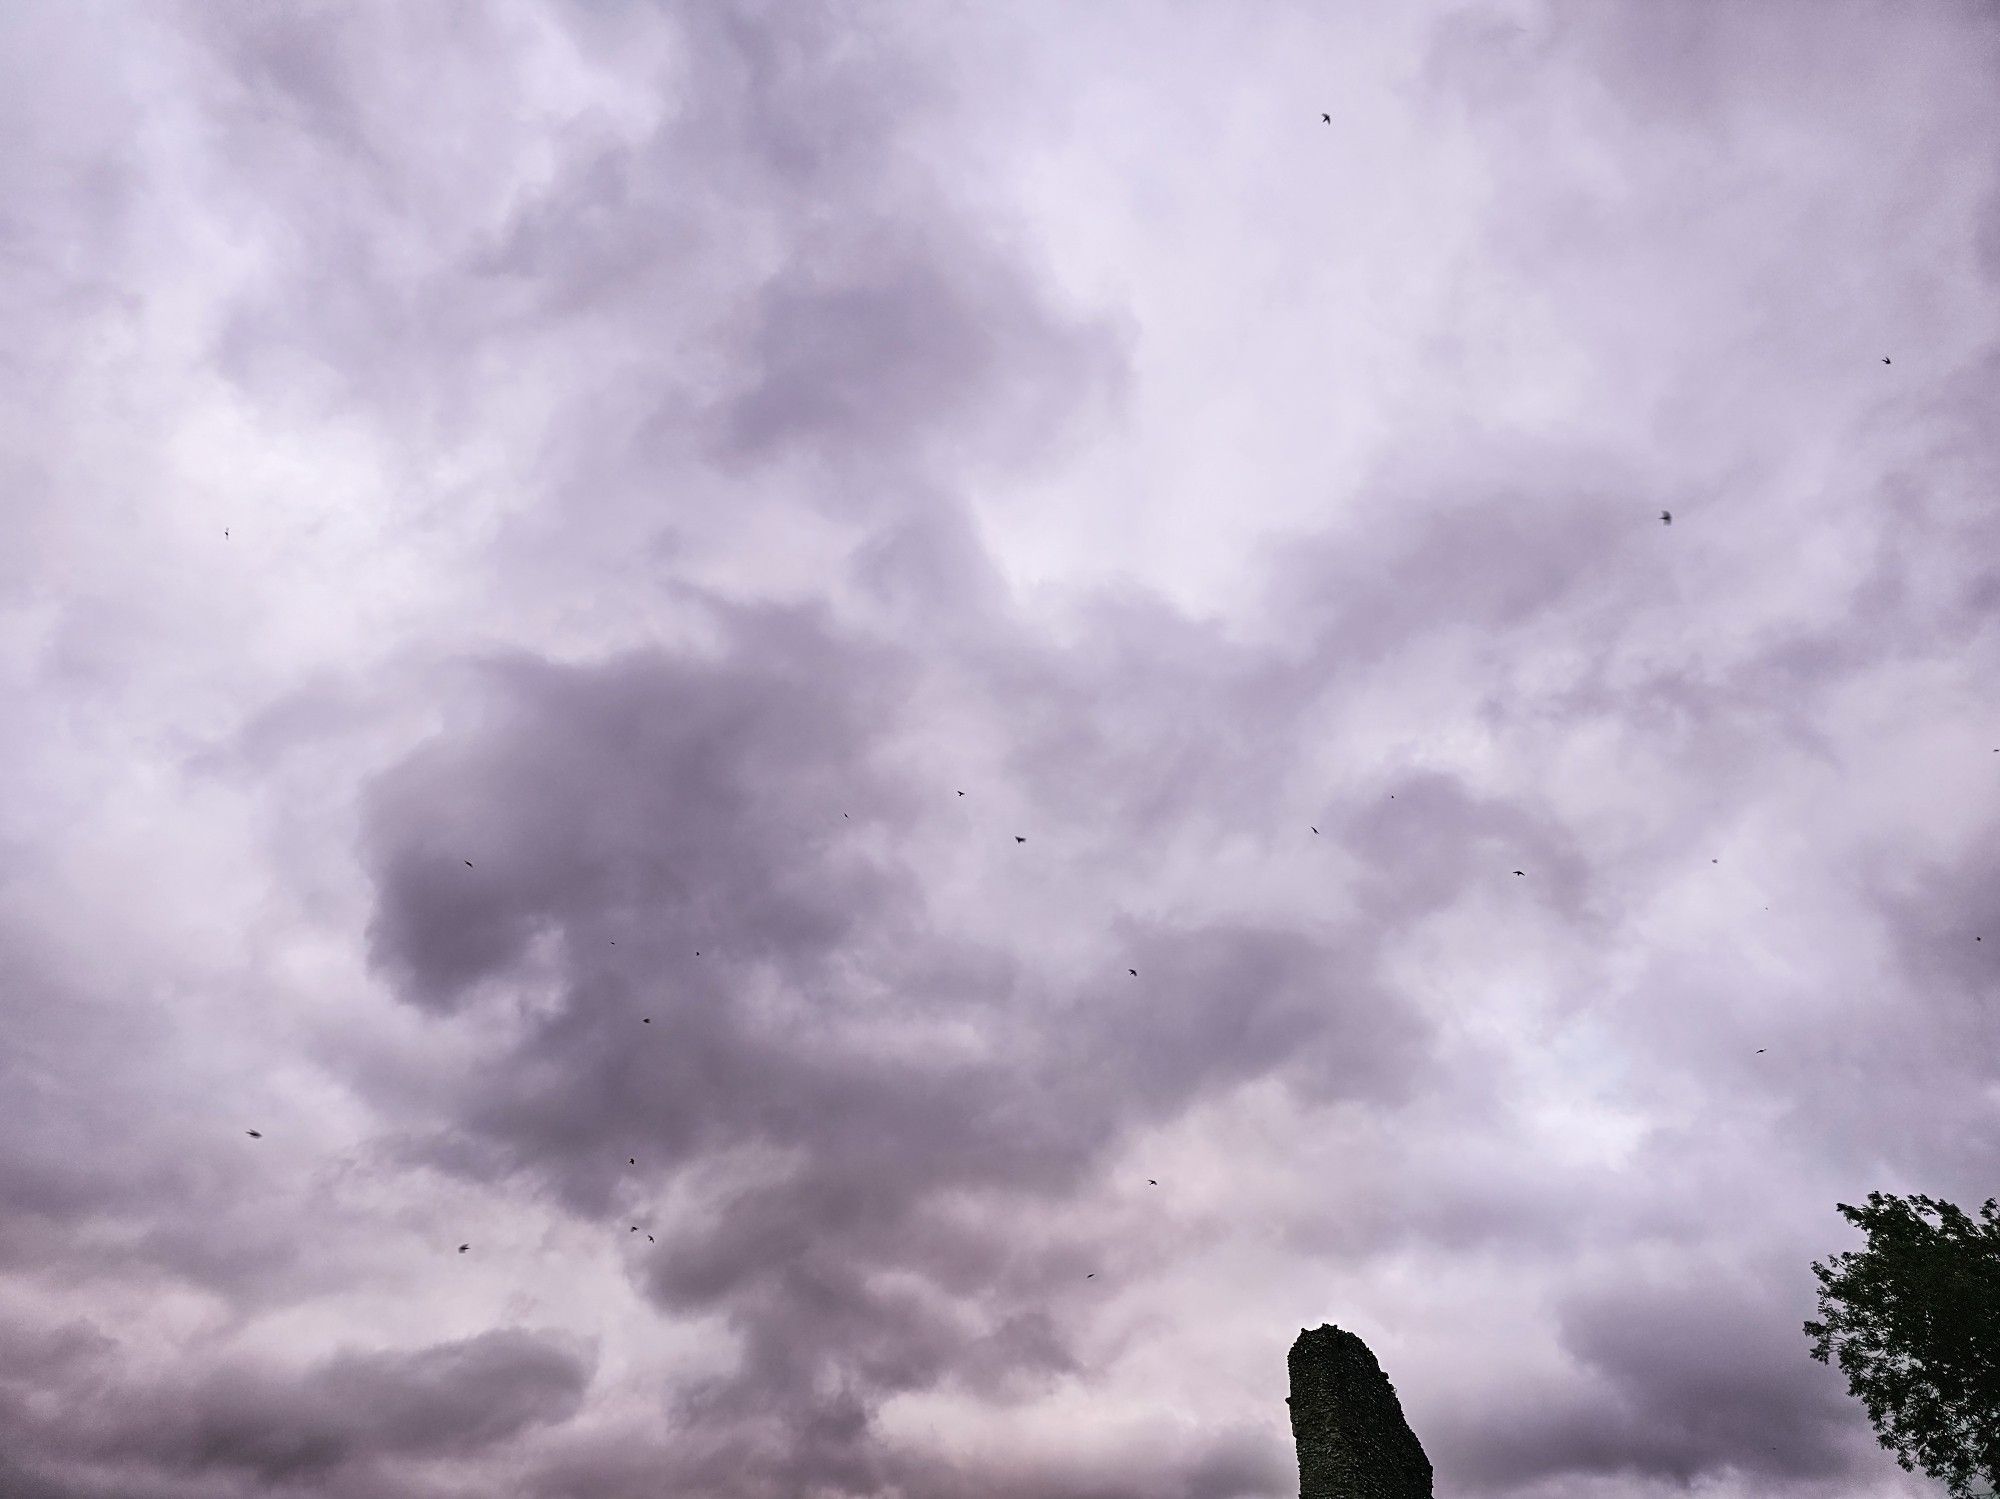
(1352, 1438)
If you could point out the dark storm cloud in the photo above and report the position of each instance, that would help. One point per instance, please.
(676, 806)
(242, 1422)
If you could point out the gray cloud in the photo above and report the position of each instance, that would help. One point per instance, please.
(670, 453)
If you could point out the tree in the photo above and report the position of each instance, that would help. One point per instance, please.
(1915, 1322)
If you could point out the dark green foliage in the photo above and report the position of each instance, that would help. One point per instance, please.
(1915, 1321)
(1353, 1441)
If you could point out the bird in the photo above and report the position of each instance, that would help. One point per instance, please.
(468, 864)
(635, 1228)
(253, 1134)
(1326, 119)
(1315, 830)
(1885, 358)
(1151, 1183)
(1019, 839)
(1091, 1276)
(463, 1247)
(1666, 517)
(631, 1160)
(647, 1021)
(1133, 971)
(1760, 1051)
(651, 1240)
(961, 793)
(225, 533)
(1522, 872)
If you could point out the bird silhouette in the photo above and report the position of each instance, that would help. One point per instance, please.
(647, 1021)
(1091, 1276)
(1133, 971)
(1760, 1051)
(1019, 839)
(1326, 119)
(225, 533)
(961, 793)
(253, 1134)
(1885, 358)
(1315, 830)
(651, 1240)
(1522, 872)
(463, 1247)
(1666, 517)
(1151, 1183)
(468, 864)
(631, 1160)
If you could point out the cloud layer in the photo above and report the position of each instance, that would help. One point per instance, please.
(859, 690)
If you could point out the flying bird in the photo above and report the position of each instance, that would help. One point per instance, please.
(651, 1240)
(1522, 872)
(1315, 830)
(468, 864)
(225, 533)
(1666, 517)
(1151, 1183)
(961, 793)
(1885, 358)
(463, 1247)
(1133, 971)
(647, 1021)
(1091, 1276)
(1760, 1051)
(1326, 119)
(631, 1160)
(1019, 839)
(253, 1134)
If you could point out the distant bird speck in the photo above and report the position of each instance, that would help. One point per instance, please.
(1885, 358)
(463, 1247)
(1151, 1183)
(651, 1240)
(632, 1160)
(1019, 839)
(1315, 830)
(1091, 1276)
(1522, 872)
(647, 1021)
(1760, 1051)
(253, 1134)
(468, 864)
(1666, 517)
(1325, 119)
(635, 1228)
(1133, 971)
(961, 793)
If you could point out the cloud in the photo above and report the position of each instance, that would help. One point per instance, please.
(669, 456)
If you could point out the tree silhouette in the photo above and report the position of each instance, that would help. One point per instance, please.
(1915, 1322)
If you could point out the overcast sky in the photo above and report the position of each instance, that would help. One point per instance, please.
(551, 554)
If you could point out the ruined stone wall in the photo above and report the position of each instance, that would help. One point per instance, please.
(1353, 1441)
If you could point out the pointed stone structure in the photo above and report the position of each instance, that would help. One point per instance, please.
(1353, 1441)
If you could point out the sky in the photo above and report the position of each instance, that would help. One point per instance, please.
(621, 622)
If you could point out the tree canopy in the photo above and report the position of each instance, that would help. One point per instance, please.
(1914, 1320)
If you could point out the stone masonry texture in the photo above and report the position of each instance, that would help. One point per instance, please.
(1353, 1441)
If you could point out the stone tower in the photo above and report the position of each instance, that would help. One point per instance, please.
(1353, 1441)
